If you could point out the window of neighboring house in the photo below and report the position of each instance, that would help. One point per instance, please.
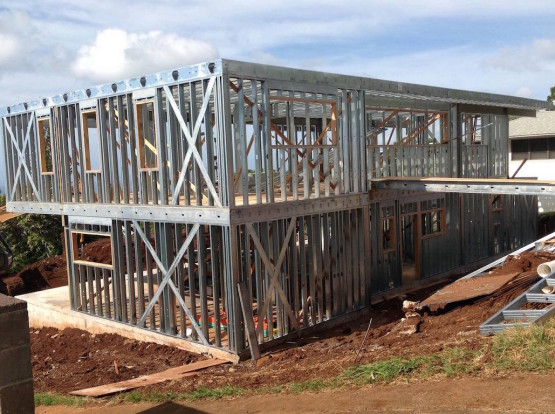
(44, 127)
(87, 244)
(552, 148)
(533, 149)
(388, 229)
(146, 135)
(91, 141)
(433, 217)
(538, 149)
(519, 149)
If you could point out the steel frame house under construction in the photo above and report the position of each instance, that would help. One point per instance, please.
(245, 203)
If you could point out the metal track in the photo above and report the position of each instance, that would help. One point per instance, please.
(512, 315)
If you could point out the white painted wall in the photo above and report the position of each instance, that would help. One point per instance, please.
(540, 169)
(3, 185)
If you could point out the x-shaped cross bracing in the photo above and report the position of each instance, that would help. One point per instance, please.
(192, 150)
(21, 155)
(167, 277)
(274, 273)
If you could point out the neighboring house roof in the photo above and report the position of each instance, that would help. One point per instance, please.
(543, 125)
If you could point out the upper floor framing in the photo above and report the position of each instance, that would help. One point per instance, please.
(197, 142)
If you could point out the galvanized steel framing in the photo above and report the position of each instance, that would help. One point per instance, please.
(257, 176)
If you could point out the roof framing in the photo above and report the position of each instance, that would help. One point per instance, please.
(379, 87)
(388, 93)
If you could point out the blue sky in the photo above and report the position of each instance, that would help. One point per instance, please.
(506, 46)
(50, 47)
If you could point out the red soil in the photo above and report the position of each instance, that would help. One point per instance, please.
(69, 360)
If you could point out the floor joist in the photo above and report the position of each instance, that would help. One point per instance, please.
(467, 185)
(188, 214)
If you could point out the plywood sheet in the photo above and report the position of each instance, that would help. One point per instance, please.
(465, 289)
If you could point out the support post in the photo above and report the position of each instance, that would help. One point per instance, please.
(249, 322)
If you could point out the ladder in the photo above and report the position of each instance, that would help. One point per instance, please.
(512, 315)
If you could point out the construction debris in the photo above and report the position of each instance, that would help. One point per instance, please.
(363, 340)
(535, 305)
(516, 279)
(517, 272)
(465, 289)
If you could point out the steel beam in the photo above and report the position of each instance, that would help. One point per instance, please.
(467, 185)
(167, 77)
(277, 211)
(190, 215)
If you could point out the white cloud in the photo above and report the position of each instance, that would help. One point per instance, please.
(524, 92)
(534, 56)
(17, 39)
(9, 48)
(26, 49)
(458, 67)
(54, 46)
(116, 54)
(267, 58)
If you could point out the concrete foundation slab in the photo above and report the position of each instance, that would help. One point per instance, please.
(51, 308)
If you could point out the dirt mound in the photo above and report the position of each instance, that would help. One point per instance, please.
(524, 262)
(44, 274)
(72, 359)
(99, 251)
(52, 271)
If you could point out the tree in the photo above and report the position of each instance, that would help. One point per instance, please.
(551, 96)
(32, 237)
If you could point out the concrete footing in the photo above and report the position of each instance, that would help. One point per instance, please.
(16, 375)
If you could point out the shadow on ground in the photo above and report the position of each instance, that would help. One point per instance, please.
(172, 408)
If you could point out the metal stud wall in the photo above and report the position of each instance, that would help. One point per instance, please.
(226, 174)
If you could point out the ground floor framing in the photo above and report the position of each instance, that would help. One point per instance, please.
(280, 271)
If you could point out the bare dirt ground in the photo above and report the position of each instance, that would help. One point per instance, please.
(72, 359)
(68, 360)
(529, 393)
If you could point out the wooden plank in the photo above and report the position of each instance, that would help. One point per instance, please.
(301, 100)
(142, 381)
(517, 181)
(93, 264)
(246, 307)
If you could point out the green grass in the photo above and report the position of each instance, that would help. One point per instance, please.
(519, 349)
(46, 398)
(138, 396)
(215, 393)
(383, 371)
(531, 349)
(459, 361)
(314, 385)
(269, 389)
